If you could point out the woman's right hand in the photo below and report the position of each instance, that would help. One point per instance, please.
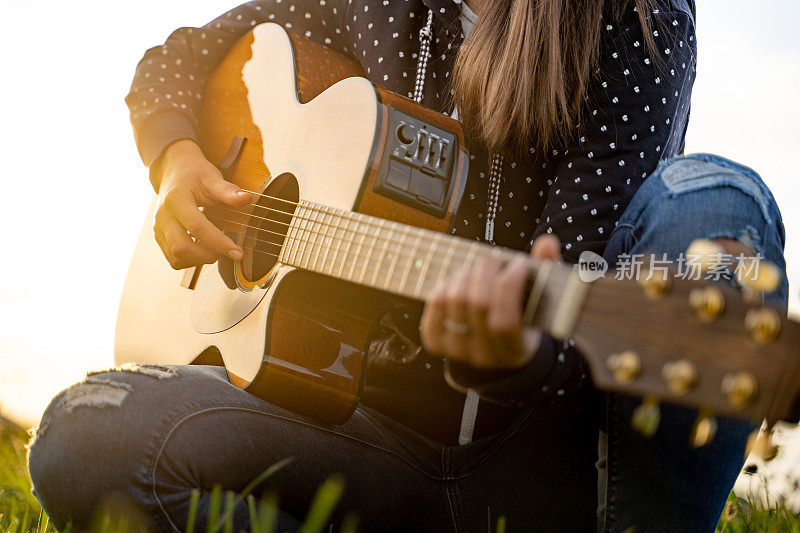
(189, 181)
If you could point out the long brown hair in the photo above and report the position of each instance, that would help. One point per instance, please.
(524, 69)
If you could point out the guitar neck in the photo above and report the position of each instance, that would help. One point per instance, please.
(410, 262)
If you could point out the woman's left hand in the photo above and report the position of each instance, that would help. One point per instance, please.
(476, 317)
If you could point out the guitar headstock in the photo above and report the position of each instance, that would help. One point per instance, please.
(695, 343)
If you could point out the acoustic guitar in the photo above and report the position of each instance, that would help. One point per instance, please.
(355, 192)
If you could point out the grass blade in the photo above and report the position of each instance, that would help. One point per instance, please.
(322, 507)
(192, 518)
(264, 475)
(229, 505)
(501, 525)
(213, 509)
(267, 514)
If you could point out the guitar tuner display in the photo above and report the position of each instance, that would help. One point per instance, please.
(418, 163)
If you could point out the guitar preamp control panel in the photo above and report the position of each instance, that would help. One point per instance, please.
(418, 163)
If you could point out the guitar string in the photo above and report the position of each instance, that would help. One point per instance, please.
(313, 221)
(325, 210)
(374, 271)
(305, 238)
(348, 216)
(365, 271)
(326, 225)
(457, 256)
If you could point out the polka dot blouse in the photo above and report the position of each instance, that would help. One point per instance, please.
(637, 109)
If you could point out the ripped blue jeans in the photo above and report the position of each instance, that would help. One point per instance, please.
(153, 435)
(662, 483)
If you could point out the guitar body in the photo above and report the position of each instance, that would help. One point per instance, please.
(315, 129)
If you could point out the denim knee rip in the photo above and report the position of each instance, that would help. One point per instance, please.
(705, 172)
(100, 392)
(95, 392)
(692, 173)
(154, 371)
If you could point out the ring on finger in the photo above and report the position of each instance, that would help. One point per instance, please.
(457, 328)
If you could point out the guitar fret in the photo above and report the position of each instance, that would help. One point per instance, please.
(338, 240)
(412, 261)
(288, 243)
(470, 255)
(312, 238)
(445, 268)
(358, 249)
(542, 275)
(325, 236)
(371, 248)
(426, 265)
(383, 252)
(302, 221)
(339, 236)
(393, 264)
(346, 250)
(319, 234)
(326, 226)
(335, 241)
(315, 232)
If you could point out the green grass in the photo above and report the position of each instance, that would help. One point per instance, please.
(19, 511)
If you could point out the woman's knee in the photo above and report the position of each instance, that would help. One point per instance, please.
(91, 442)
(704, 182)
(705, 197)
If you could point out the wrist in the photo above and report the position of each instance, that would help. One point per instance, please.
(177, 155)
(512, 387)
(178, 152)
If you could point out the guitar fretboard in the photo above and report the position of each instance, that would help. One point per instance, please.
(377, 253)
(403, 259)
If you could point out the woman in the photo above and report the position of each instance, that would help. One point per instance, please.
(576, 113)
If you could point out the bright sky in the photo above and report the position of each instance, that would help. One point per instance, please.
(76, 193)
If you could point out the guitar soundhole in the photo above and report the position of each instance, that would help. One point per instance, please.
(267, 226)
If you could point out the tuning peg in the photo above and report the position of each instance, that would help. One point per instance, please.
(763, 324)
(740, 388)
(752, 296)
(760, 443)
(626, 366)
(705, 253)
(707, 302)
(647, 417)
(705, 427)
(763, 276)
(680, 375)
(655, 283)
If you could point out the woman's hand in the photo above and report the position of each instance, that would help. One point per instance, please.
(476, 317)
(186, 237)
